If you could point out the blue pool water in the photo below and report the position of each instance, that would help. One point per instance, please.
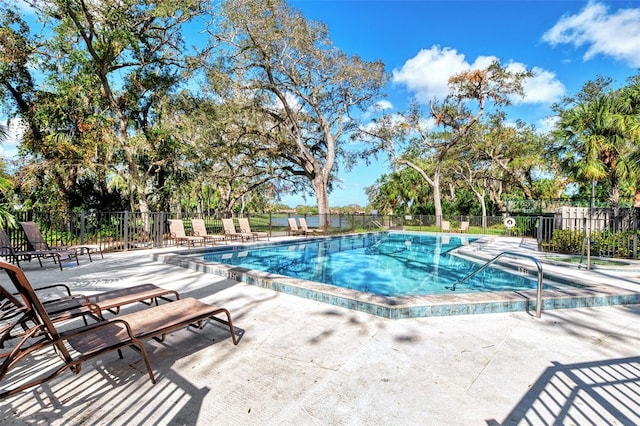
(385, 264)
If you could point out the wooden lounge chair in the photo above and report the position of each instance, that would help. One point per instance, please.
(306, 229)
(12, 312)
(36, 242)
(73, 305)
(230, 231)
(200, 230)
(464, 226)
(176, 229)
(445, 226)
(15, 256)
(245, 228)
(76, 305)
(94, 340)
(293, 227)
(7, 251)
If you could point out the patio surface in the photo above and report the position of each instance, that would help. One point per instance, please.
(301, 362)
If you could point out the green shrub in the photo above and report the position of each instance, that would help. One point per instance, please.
(615, 244)
(606, 243)
(567, 241)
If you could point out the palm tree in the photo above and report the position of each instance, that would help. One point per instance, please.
(627, 120)
(598, 142)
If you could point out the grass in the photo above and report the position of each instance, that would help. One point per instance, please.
(497, 230)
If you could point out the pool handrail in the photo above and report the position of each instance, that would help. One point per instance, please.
(510, 253)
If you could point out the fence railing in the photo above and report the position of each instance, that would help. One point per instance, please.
(117, 231)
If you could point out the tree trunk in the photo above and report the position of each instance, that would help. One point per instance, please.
(435, 185)
(138, 185)
(320, 188)
(614, 200)
(614, 194)
(437, 197)
(483, 204)
(243, 205)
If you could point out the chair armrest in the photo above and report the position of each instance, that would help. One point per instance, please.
(66, 287)
(69, 334)
(82, 297)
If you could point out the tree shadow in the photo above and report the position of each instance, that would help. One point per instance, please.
(598, 392)
(110, 390)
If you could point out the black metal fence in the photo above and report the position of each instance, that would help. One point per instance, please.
(113, 231)
(563, 232)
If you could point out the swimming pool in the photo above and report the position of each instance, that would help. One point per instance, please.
(393, 264)
(563, 287)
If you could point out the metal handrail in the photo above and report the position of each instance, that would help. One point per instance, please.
(510, 253)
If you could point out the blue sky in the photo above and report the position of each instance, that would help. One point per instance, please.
(422, 42)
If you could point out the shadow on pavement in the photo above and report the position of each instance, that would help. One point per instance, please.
(599, 392)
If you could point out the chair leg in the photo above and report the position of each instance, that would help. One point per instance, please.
(228, 322)
(145, 357)
(56, 258)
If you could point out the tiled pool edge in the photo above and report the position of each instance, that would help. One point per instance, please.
(411, 307)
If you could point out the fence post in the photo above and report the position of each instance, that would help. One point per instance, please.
(125, 229)
(83, 217)
(635, 232)
(162, 219)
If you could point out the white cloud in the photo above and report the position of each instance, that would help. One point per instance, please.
(394, 120)
(427, 74)
(290, 98)
(548, 124)
(376, 108)
(24, 7)
(15, 129)
(611, 34)
(383, 105)
(543, 87)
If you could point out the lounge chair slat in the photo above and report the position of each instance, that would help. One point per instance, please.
(37, 244)
(168, 317)
(200, 230)
(66, 308)
(112, 334)
(177, 232)
(245, 228)
(230, 230)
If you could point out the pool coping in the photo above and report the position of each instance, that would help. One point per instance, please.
(590, 293)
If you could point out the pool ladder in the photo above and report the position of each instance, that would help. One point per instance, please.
(495, 259)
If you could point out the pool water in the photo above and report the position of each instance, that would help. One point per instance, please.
(392, 264)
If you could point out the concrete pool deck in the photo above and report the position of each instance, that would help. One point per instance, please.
(301, 362)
